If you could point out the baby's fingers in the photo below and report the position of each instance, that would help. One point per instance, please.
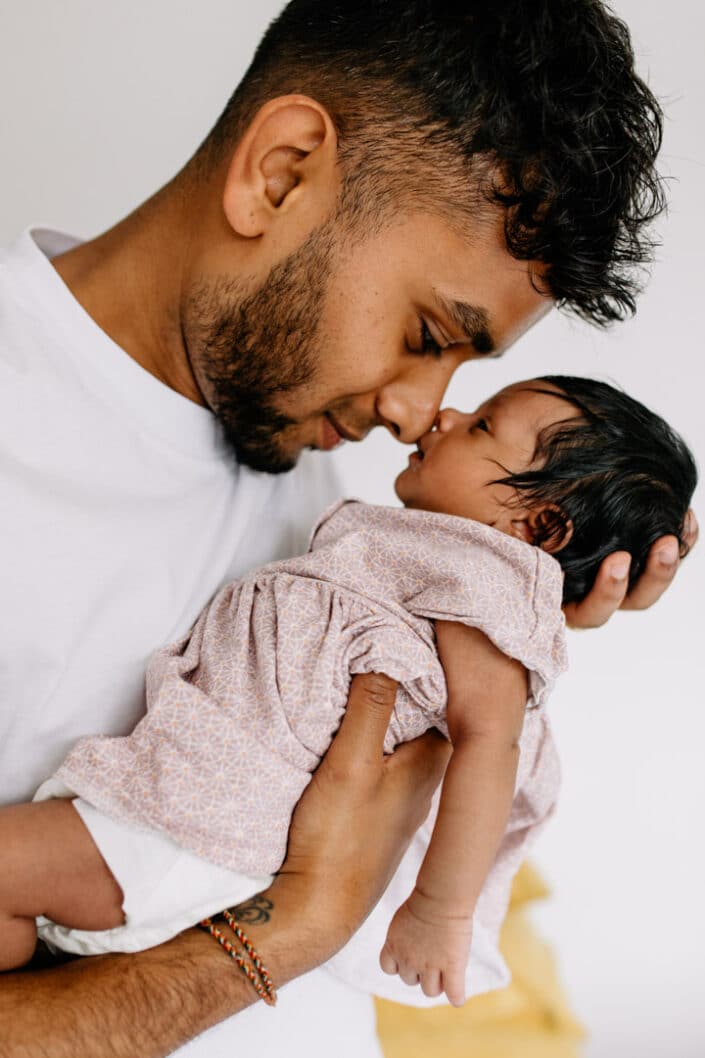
(409, 974)
(430, 981)
(387, 961)
(454, 986)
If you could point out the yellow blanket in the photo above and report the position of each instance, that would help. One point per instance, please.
(530, 1018)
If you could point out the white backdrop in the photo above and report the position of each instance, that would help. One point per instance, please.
(101, 104)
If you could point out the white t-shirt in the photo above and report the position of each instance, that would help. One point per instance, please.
(122, 513)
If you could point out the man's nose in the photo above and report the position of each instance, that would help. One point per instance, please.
(408, 406)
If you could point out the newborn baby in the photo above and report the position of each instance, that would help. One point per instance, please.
(507, 514)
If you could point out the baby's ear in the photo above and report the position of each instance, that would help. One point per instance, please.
(553, 529)
(546, 527)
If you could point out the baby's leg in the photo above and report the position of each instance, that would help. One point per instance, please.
(50, 866)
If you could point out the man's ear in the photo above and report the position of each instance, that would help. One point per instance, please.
(546, 527)
(286, 158)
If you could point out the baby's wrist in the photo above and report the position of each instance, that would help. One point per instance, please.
(433, 908)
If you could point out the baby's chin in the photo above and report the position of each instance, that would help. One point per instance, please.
(399, 490)
(396, 486)
(410, 504)
(407, 501)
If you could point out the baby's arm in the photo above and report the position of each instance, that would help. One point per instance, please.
(52, 867)
(429, 938)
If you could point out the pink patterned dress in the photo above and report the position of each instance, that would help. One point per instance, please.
(240, 711)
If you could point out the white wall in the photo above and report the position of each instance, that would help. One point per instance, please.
(103, 102)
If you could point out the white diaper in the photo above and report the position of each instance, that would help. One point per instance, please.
(166, 889)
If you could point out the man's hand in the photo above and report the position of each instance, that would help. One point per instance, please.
(359, 813)
(349, 832)
(609, 592)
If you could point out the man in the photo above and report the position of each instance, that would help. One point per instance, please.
(392, 191)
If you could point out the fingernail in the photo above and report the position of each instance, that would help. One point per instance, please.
(667, 554)
(620, 568)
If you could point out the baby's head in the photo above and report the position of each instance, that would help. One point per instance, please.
(571, 465)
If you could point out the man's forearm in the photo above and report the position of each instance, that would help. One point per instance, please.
(152, 1002)
(110, 1006)
(148, 1004)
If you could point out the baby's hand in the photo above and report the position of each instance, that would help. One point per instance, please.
(426, 945)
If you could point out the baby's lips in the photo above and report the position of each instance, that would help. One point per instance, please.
(422, 444)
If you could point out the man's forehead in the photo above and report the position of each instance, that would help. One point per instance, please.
(488, 294)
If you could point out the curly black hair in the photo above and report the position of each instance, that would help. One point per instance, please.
(620, 474)
(535, 107)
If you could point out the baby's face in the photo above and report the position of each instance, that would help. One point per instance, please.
(456, 462)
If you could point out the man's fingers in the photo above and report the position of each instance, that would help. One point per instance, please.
(660, 570)
(418, 768)
(691, 530)
(425, 759)
(607, 594)
(387, 961)
(370, 703)
(662, 566)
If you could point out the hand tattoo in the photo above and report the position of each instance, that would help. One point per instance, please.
(255, 911)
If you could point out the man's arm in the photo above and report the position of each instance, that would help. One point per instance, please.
(120, 1005)
(150, 1003)
(610, 589)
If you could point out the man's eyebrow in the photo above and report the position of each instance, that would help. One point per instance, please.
(472, 320)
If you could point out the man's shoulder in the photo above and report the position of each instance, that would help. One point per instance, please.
(29, 289)
(30, 253)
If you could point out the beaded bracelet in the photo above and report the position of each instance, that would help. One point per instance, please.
(260, 980)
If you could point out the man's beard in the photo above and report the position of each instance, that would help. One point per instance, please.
(249, 349)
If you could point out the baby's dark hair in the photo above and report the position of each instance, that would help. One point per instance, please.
(618, 472)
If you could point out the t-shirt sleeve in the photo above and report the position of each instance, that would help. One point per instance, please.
(507, 589)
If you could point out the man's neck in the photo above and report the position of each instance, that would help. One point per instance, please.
(129, 280)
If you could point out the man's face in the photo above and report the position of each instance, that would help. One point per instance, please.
(341, 338)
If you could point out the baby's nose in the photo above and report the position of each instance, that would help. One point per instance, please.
(447, 418)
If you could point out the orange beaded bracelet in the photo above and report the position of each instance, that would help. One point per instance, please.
(258, 977)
